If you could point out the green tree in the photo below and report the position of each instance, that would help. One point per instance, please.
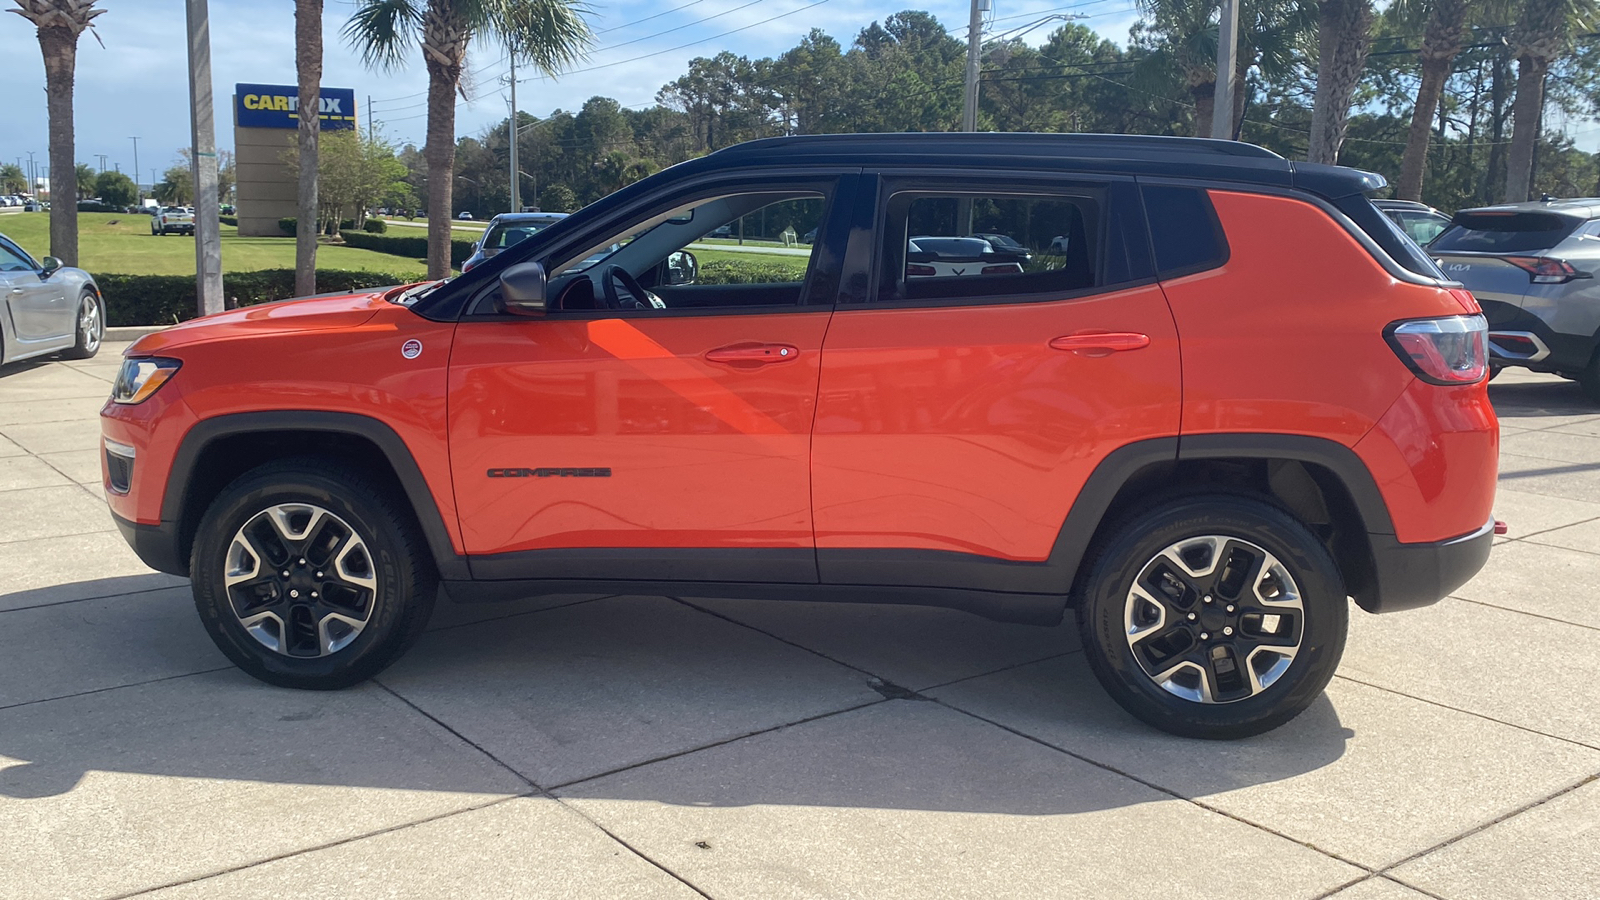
(549, 34)
(558, 198)
(12, 179)
(59, 24)
(85, 176)
(357, 172)
(176, 187)
(1543, 32)
(114, 188)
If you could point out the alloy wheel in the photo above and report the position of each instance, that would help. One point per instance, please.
(1214, 619)
(90, 328)
(300, 580)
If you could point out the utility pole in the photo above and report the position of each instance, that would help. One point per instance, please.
(33, 181)
(516, 181)
(102, 161)
(1227, 61)
(207, 229)
(370, 133)
(136, 190)
(969, 106)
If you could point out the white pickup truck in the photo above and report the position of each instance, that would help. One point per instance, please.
(172, 219)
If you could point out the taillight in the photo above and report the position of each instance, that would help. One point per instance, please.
(1451, 350)
(914, 269)
(1008, 269)
(1543, 269)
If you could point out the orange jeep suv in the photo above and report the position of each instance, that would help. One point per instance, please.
(1195, 393)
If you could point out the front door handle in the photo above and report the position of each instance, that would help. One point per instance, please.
(753, 354)
(1101, 343)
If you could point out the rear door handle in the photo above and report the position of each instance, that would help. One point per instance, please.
(753, 354)
(1101, 343)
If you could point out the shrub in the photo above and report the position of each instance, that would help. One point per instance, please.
(93, 207)
(287, 226)
(164, 299)
(408, 247)
(375, 226)
(229, 220)
(728, 271)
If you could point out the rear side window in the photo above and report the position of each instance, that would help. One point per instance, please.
(1184, 231)
(976, 247)
(1505, 232)
(1388, 235)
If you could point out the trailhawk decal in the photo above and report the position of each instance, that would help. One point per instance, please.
(549, 473)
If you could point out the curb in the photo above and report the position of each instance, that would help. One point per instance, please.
(131, 332)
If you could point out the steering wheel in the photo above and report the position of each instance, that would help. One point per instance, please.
(638, 297)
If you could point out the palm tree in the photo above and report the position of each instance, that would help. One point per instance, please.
(60, 22)
(1441, 42)
(85, 175)
(1344, 34)
(1543, 31)
(549, 34)
(1185, 33)
(308, 70)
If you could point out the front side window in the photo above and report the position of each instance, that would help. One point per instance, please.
(14, 260)
(748, 249)
(952, 246)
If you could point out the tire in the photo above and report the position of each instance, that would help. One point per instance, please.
(326, 643)
(1132, 638)
(90, 327)
(1589, 379)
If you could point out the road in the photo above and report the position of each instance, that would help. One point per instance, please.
(617, 746)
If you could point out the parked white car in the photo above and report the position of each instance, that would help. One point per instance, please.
(173, 219)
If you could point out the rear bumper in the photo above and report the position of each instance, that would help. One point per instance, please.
(156, 545)
(1555, 351)
(1413, 575)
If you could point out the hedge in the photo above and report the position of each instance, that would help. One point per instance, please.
(728, 271)
(164, 299)
(290, 225)
(229, 220)
(375, 226)
(409, 247)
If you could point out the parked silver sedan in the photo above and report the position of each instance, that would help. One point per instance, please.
(47, 307)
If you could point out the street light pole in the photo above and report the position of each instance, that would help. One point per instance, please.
(969, 105)
(137, 193)
(207, 229)
(1227, 60)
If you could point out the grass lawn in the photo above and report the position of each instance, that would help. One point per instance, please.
(123, 244)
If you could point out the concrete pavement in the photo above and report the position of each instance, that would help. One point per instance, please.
(650, 747)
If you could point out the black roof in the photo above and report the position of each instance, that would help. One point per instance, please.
(1151, 155)
(1572, 207)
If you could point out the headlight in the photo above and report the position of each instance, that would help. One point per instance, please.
(142, 376)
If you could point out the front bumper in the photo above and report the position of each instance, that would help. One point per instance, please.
(1413, 575)
(156, 545)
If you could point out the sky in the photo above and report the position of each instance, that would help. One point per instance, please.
(137, 84)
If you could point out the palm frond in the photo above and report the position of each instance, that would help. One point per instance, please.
(382, 31)
(548, 34)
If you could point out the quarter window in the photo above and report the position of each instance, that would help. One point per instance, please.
(972, 247)
(1183, 230)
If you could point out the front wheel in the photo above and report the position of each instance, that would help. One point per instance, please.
(1213, 616)
(90, 327)
(307, 574)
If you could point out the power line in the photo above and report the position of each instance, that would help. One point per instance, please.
(648, 18)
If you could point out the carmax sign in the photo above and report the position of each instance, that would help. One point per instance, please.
(278, 106)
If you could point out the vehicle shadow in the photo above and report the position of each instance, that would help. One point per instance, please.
(1548, 396)
(566, 691)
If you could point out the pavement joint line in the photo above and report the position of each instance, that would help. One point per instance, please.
(1527, 807)
(1560, 547)
(1159, 788)
(1488, 718)
(781, 640)
(965, 678)
(115, 687)
(51, 537)
(1378, 877)
(109, 596)
(538, 789)
(714, 744)
(1524, 612)
(324, 846)
(526, 612)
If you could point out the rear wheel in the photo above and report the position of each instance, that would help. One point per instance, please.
(309, 575)
(1213, 617)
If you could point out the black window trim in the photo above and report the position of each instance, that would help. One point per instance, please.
(940, 181)
(838, 185)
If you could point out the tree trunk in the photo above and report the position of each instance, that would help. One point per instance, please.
(1434, 73)
(1497, 128)
(1205, 105)
(1525, 126)
(1344, 34)
(60, 48)
(440, 153)
(308, 68)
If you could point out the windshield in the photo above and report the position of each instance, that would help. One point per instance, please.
(508, 234)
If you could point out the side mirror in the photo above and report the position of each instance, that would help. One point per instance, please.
(682, 268)
(522, 289)
(51, 264)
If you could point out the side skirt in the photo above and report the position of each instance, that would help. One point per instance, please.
(1029, 609)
